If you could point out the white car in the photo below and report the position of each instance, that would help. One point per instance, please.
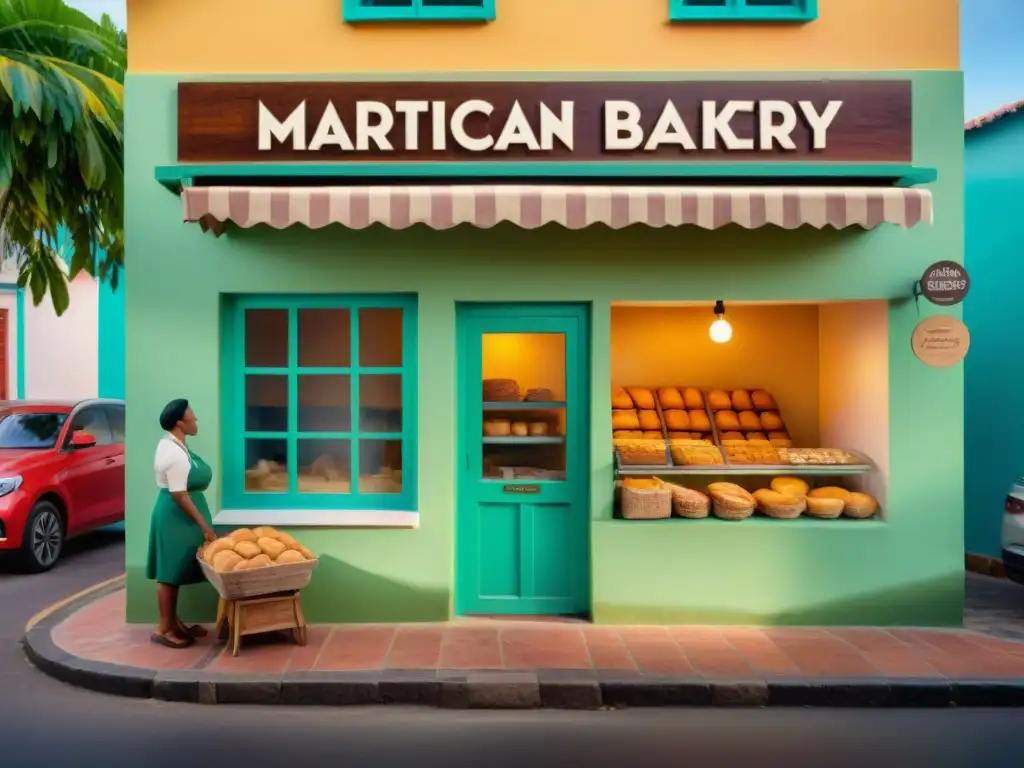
(1013, 532)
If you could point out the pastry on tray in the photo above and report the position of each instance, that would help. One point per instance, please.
(693, 399)
(677, 420)
(670, 397)
(719, 400)
(627, 419)
(699, 421)
(780, 505)
(641, 452)
(621, 399)
(727, 420)
(741, 400)
(749, 421)
(649, 420)
(642, 397)
(818, 456)
(696, 455)
(751, 453)
(763, 401)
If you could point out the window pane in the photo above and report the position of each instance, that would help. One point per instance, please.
(325, 338)
(115, 417)
(380, 466)
(325, 466)
(387, 3)
(452, 3)
(266, 466)
(266, 338)
(380, 338)
(325, 403)
(266, 403)
(31, 430)
(380, 403)
(93, 421)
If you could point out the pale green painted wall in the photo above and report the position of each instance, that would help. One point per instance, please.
(908, 570)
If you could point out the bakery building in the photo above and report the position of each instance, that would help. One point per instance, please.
(637, 341)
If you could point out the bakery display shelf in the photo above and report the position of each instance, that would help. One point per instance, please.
(524, 440)
(522, 405)
(802, 470)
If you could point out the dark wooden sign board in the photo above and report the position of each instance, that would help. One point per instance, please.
(945, 283)
(220, 121)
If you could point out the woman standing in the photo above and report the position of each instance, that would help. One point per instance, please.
(181, 522)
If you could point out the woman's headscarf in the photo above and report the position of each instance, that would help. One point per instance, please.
(172, 413)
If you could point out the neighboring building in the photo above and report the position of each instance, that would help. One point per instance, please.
(558, 196)
(993, 408)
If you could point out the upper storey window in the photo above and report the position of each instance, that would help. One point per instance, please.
(418, 10)
(743, 10)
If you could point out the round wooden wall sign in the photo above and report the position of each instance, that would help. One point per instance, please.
(940, 341)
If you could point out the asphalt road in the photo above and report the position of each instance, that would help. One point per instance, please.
(43, 722)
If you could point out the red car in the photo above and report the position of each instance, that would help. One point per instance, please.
(61, 474)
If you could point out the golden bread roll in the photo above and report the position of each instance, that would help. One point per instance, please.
(248, 549)
(679, 435)
(670, 397)
(772, 422)
(621, 399)
(749, 422)
(285, 539)
(732, 436)
(243, 565)
(693, 399)
(780, 505)
(642, 397)
(649, 420)
(824, 507)
(271, 547)
(719, 400)
(502, 427)
(763, 401)
(677, 421)
(519, 429)
(699, 421)
(729, 506)
(860, 506)
(538, 428)
(306, 553)
(226, 560)
(627, 433)
(741, 400)
(829, 492)
(730, 489)
(727, 420)
(290, 556)
(756, 436)
(689, 503)
(260, 561)
(625, 420)
(652, 434)
(264, 530)
(224, 544)
(642, 483)
(779, 435)
(793, 486)
(244, 534)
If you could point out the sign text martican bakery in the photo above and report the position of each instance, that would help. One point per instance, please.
(848, 121)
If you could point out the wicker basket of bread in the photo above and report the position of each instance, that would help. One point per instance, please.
(644, 498)
(257, 561)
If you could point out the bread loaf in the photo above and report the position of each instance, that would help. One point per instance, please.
(500, 390)
(829, 492)
(538, 428)
(679, 435)
(670, 397)
(792, 486)
(244, 534)
(689, 503)
(652, 434)
(731, 436)
(860, 506)
(749, 422)
(823, 507)
(718, 489)
(727, 420)
(625, 420)
(642, 397)
(649, 420)
(719, 400)
(731, 502)
(693, 399)
(627, 433)
(677, 420)
(741, 400)
(271, 547)
(519, 429)
(756, 436)
(780, 505)
(621, 399)
(772, 422)
(539, 395)
(226, 560)
(642, 452)
(290, 556)
(778, 435)
(763, 401)
(497, 427)
(247, 549)
(699, 421)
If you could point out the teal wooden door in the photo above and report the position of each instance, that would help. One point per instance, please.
(522, 536)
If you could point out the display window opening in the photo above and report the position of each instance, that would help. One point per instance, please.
(750, 410)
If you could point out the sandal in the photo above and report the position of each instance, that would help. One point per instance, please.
(167, 642)
(194, 630)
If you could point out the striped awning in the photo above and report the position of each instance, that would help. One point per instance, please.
(574, 207)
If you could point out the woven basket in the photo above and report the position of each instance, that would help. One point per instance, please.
(646, 505)
(731, 513)
(236, 585)
(501, 391)
(689, 503)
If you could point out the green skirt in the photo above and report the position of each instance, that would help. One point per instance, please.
(174, 539)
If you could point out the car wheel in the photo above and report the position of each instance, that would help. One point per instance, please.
(43, 538)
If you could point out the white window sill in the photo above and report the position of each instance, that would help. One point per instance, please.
(318, 518)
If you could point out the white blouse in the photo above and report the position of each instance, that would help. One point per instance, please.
(172, 464)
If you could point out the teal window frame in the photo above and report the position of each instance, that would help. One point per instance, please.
(799, 11)
(234, 435)
(356, 11)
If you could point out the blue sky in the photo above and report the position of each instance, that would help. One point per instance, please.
(991, 53)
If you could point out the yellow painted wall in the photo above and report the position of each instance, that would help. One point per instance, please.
(773, 347)
(308, 36)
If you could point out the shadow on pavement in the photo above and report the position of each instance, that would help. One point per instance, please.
(74, 549)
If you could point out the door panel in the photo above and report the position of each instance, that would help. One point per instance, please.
(523, 527)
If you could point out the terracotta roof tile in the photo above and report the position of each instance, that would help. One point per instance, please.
(994, 115)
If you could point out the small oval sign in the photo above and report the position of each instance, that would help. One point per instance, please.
(945, 283)
(940, 341)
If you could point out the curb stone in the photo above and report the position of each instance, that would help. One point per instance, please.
(482, 689)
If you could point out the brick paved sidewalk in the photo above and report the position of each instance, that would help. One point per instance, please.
(97, 632)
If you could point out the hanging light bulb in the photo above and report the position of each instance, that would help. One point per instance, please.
(720, 330)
